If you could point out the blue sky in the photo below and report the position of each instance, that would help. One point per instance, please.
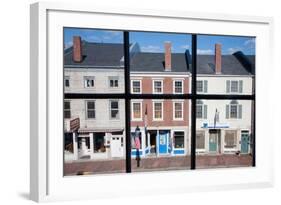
(154, 42)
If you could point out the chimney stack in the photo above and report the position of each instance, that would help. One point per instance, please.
(77, 49)
(218, 58)
(168, 56)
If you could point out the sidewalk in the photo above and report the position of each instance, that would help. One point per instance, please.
(156, 164)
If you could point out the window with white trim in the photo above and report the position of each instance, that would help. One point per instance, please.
(202, 86)
(178, 110)
(89, 81)
(136, 86)
(201, 110)
(157, 110)
(113, 81)
(200, 140)
(234, 86)
(67, 110)
(234, 110)
(91, 109)
(178, 86)
(157, 86)
(179, 139)
(114, 109)
(137, 110)
(230, 139)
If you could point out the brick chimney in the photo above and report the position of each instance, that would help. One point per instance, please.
(168, 56)
(218, 58)
(77, 49)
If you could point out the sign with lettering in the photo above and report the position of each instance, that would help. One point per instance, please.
(74, 124)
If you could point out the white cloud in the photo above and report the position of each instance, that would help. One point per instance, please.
(250, 42)
(68, 44)
(184, 46)
(233, 50)
(151, 48)
(204, 51)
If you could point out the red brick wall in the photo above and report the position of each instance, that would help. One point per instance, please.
(167, 105)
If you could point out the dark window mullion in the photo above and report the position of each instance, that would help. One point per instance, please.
(193, 103)
(127, 100)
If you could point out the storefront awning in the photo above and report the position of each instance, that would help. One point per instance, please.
(87, 130)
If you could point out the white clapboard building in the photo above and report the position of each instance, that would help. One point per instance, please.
(224, 126)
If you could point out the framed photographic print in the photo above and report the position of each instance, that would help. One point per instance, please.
(127, 102)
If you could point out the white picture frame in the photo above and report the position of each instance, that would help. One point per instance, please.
(46, 177)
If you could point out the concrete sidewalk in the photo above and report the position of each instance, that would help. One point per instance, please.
(156, 164)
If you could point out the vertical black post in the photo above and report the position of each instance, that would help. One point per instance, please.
(127, 99)
(193, 103)
(253, 135)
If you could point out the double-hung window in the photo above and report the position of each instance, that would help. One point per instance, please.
(91, 109)
(178, 86)
(136, 86)
(114, 109)
(178, 110)
(157, 86)
(234, 86)
(157, 110)
(67, 110)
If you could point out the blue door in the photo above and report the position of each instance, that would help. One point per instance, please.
(245, 143)
(163, 142)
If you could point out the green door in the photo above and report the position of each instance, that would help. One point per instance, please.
(213, 142)
(245, 142)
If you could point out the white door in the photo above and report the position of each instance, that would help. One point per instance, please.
(116, 148)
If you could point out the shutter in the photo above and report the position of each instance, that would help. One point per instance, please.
(240, 111)
(205, 111)
(240, 86)
(227, 112)
(228, 86)
(205, 86)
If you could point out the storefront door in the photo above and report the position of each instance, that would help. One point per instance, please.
(116, 148)
(163, 142)
(213, 141)
(245, 142)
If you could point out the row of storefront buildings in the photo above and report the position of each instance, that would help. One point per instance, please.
(94, 129)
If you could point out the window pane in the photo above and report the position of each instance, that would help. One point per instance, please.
(225, 64)
(161, 61)
(222, 141)
(161, 144)
(94, 60)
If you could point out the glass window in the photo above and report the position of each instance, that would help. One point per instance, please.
(200, 140)
(157, 86)
(137, 110)
(179, 139)
(178, 110)
(230, 139)
(178, 86)
(136, 86)
(158, 110)
(67, 110)
(114, 109)
(113, 82)
(66, 81)
(91, 109)
(89, 82)
(99, 142)
(234, 86)
(201, 110)
(199, 86)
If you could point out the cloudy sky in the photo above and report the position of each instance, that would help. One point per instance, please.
(154, 42)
